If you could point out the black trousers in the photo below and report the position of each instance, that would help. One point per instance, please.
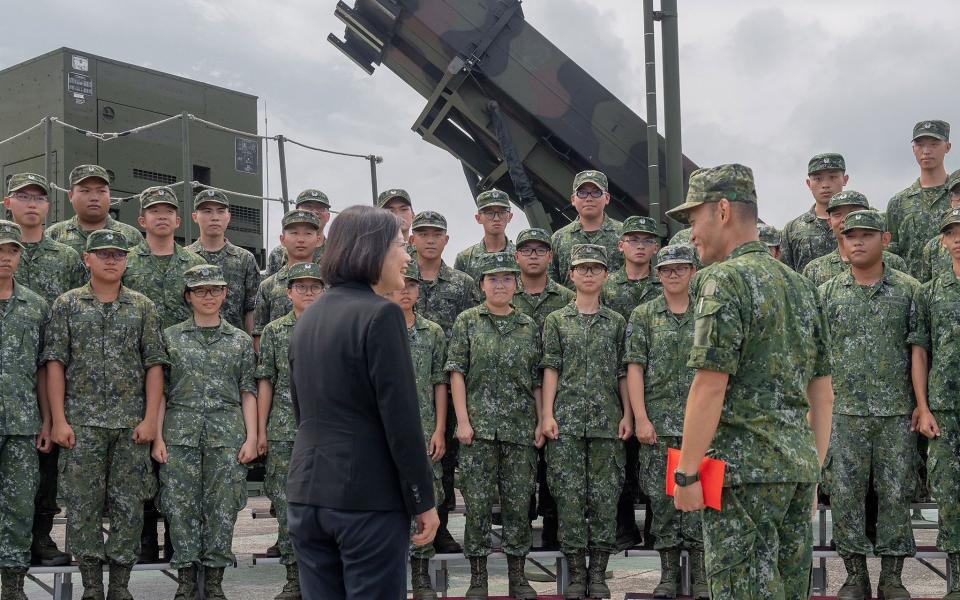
(350, 555)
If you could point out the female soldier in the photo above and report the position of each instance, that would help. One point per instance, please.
(208, 434)
(493, 359)
(585, 400)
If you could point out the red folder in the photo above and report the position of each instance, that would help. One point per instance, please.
(711, 477)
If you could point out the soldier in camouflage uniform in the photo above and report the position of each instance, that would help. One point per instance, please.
(913, 213)
(90, 197)
(762, 352)
(444, 294)
(828, 266)
(935, 257)
(104, 354)
(313, 201)
(24, 413)
(590, 197)
(209, 434)
(211, 211)
(493, 214)
(48, 268)
(809, 236)
(398, 202)
(659, 336)
(493, 359)
(770, 236)
(935, 353)
(869, 306)
(585, 416)
(428, 349)
(301, 231)
(276, 424)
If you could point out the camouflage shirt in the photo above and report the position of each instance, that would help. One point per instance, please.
(823, 269)
(805, 238)
(210, 367)
(623, 294)
(442, 299)
(660, 341)
(566, 237)
(868, 329)
(242, 275)
(275, 366)
(428, 349)
(272, 301)
(761, 323)
(499, 358)
(70, 232)
(466, 260)
(936, 326)
(106, 349)
(160, 278)
(681, 237)
(278, 258)
(50, 268)
(553, 297)
(22, 320)
(587, 353)
(935, 260)
(913, 217)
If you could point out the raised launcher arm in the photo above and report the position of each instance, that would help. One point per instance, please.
(514, 109)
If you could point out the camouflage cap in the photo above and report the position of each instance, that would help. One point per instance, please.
(497, 262)
(103, 239)
(588, 253)
(637, 224)
(933, 128)
(304, 270)
(828, 161)
(733, 182)
(864, 219)
(595, 177)
(215, 196)
(24, 180)
(429, 218)
(953, 180)
(534, 234)
(847, 198)
(312, 196)
(676, 254)
(82, 172)
(768, 234)
(389, 195)
(951, 217)
(298, 215)
(493, 197)
(10, 233)
(203, 275)
(413, 271)
(159, 194)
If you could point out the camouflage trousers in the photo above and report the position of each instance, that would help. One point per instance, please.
(201, 492)
(671, 527)
(19, 477)
(759, 546)
(586, 478)
(943, 466)
(886, 446)
(486, 468)
(106, 473)
(275, 483)
(428, 551)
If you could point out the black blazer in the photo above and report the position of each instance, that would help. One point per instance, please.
(359, 445)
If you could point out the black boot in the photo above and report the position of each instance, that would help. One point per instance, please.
(598, 574)
(517, 584)
(291, 589)
(91, 575)
(698, 576)
(577, 566)
(419, 579)
(213, 583)
(119, 582)
(478, 579)
(274, 550)
(890, 586)
(857, 584)
(628, 534)
(186, 583)
(444, 543)
(669, 574)
(11, 583)
(43, 550)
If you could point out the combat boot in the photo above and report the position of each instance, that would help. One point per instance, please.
(549, 536)
(273, 551)
(598, 574)
(857, 585)
(119, 581)
(518, 587)
(213, 583)
(11, 583)
(890, 586)
(669, 574)
(186, 583)
(443, 542)
(953, 564)
(698, 576)
(478, 579)
(43, 550)
(91, 576)
(291, 589)
(577, 566)
(419, 580)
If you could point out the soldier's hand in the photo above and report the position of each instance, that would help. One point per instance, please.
(426, 524)
(63, 436)
(159, 452)
(924, 422)
(624, 430)
(645, 431)
(538, 439)
(261, 445)
(688, 498)
(550, 428)
(145, 432)
(465, 433)
(248, 451)
(44, 441)
(438, 446)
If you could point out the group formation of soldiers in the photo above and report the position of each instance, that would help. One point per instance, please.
(553, 374)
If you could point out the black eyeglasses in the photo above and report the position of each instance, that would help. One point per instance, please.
(495, 214)
(307, 288)
(589, 269)
(583, 194)
(211, 292)
(539, 251)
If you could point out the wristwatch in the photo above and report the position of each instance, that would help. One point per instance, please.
(683, 479)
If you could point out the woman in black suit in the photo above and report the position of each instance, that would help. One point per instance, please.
(358, 471)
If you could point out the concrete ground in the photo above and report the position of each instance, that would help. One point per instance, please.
(263, 582)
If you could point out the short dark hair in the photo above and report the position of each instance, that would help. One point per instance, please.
(357, 245)
(745, 212)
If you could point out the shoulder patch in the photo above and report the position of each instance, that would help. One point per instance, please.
(709, 287)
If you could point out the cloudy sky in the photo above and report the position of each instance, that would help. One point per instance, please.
(764, 83)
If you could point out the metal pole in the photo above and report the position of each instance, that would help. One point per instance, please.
(671, 102)
(283, 174)
(48, 168)
(653, 138)
(373, 175)
(187, 200)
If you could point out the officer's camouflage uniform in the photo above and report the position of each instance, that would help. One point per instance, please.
(468, 258)
(623, 294)
(278, 258)
(242, 275)
(935, 261)
(565, 238)
(50, 268)
(553, 297)
(203, 485)
(681, 237)
(828, 266)
(70, 233)
(106, 350)
(442, 299)
(804, 239)
(160, 278)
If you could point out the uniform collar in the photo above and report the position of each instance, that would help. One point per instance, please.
(74, 223)
(748, 247)
(222, 329)
(421, 323)
(86, 293)
(606, 225)
(571, 310)
(178, 251)
(886, 278)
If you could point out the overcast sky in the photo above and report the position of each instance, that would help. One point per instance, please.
(764, 83)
